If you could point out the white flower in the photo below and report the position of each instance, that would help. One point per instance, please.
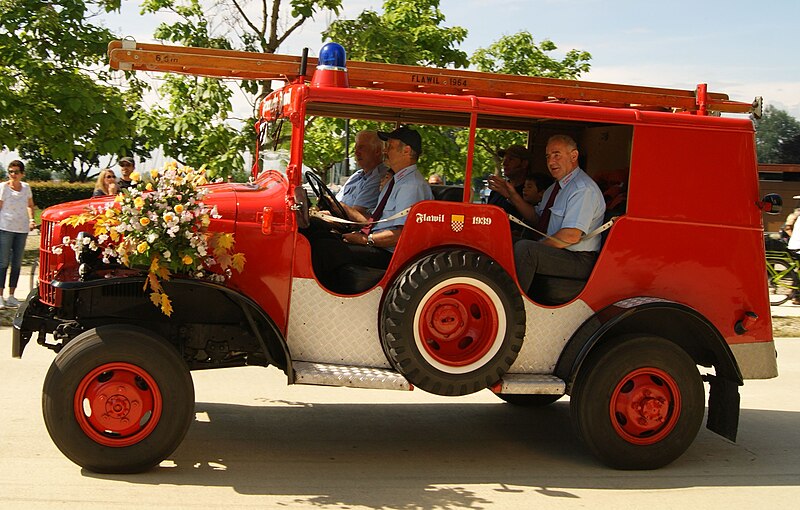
(58, 250)
(102, 238)
(65, 240)
(87, 240)
(167, 255)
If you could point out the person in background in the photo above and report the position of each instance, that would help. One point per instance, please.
(516, 165)
(791, 219)
(435, 179)
(16, 220)
(126, 167)
(106, 183)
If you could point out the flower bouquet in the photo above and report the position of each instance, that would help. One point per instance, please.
(160, 225)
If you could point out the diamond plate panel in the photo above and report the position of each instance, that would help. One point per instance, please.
(546, 333)
(334, 329)
(350, 377)
(638, 301)
(533, 384)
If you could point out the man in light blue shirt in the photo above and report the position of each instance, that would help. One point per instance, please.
(360, 192)
(373, 245)
(570, 208)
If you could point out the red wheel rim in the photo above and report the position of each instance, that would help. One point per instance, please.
(117, 404)
(458, 325)
(645, 406)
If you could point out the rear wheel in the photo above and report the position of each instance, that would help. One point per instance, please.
(453, 323)
(638, 402)
(782, 281)
(117, 400)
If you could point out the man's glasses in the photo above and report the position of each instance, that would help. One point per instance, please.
(125, 164)
(111, 177)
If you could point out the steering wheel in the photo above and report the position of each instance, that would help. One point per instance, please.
(325, 197)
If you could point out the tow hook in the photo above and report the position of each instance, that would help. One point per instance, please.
(745, 323)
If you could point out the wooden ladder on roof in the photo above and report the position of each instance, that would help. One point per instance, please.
(129, 55)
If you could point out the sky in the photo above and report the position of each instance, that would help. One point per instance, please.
(742, 48)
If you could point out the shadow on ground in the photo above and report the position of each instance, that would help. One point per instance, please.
(420, 456)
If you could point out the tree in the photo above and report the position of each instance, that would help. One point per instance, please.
(774, 130)
(519, 54)
(195, 127)
(407, 32)
(57, 105)
(790, 150)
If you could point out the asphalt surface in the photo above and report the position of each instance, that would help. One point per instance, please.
(258, 443)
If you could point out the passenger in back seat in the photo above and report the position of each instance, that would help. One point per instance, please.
(516, 164)
(571, 208)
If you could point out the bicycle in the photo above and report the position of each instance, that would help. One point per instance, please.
(783, 280)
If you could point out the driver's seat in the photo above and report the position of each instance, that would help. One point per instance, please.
(354, 279)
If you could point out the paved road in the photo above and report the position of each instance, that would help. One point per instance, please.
(257, 442)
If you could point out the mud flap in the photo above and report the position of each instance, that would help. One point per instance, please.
(723, 407)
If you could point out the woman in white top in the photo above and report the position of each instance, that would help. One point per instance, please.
(16, 220)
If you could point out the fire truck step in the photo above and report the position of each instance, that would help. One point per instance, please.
(531, 384)
(324, 374)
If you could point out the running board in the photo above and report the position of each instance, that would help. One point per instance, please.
(530, 384)
(323, 374)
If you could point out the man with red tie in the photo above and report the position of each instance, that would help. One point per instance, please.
(373, 245)
(571, 208)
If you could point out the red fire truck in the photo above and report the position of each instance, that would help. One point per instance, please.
(660, 314)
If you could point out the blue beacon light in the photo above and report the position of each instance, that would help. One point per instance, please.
(332, 67)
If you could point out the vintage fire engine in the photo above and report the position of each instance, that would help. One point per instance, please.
(632, 346)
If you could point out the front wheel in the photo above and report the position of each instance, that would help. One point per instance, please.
(117, 400)
(638, 402)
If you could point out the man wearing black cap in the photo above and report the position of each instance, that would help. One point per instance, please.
(516, 163)
(126, 166)
(373, 245)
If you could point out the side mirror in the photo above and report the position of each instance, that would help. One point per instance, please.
(772, 203)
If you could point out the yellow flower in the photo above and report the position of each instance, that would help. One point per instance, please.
(136, 176)
(153, 173)
(110, 213)
(142, 247)
(119, 198)
(138, 202)
(144, 221)
(187, 260)
(149, 187)
(168, 217)
(204, 220)
(179, 208)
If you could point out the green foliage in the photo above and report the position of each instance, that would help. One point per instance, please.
(59, 110)
(195, 126)
(46, 194)
(519, 54)
(408, 32)
(777, 135)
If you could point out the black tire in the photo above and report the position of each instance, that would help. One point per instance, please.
(528, 400)
(638, 373)
(470, 314)
(145, 418)
(781, 282)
